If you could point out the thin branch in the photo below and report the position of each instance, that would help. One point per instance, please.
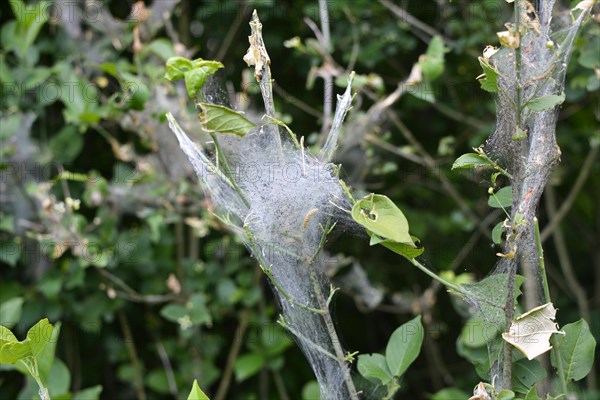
(231, 33)
(394, 149)
(289, 98)
(138, 381)
(413, 21)
(577, 186)
(166, 362)
(131, 295)
(431, 164)
(234, 351)
(328, 79)
(258, 57)
(280, 385)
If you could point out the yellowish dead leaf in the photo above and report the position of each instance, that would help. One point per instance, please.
(530, 332)
(509, 39)
(257, 55)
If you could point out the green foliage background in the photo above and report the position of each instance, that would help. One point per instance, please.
(151, 290)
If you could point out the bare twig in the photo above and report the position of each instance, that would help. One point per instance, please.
(431, 164)
(166, 362)
(231, 32)
(296, 101)
(328, 79)
(577, 186)
(234, 351)
(280, 385)
(131, 295)
(412, 21)
(138, 381)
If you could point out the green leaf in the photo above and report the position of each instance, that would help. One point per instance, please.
(196, 77)
(66, 144)
(30, 20)
(196, 393)
(403, 249)
(471, 160)
(177, 67)
(545, 102)
(525, 374)
(161, 47)
(477, 333)
(502, 198)
(215, 118)
(194, 72)
(497, 232)
(45, 359)
(380, 215)
(135, 91)
(39, 336)
(311, 391)
(7, 223)
(91, 393)
(505, 394)
(576, 350)
(12, 352)
(248, 365)
(432, 63)
(10, 251)
(450, 394)
(6, 336)
(173, 312)
(532, 395)
(490, 296)
(489, 79)
(10, 311)
(198, 311)
(404, 346)
(374, 367)
(59, 379)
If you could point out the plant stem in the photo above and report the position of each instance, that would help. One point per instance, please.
(335, 341)
(31, 365)
(540, 249)
(509, 309)
(538, 241)
(267, 271)
(138, 381)
(244, 320)
(223, 161)
(262, 72)
(438, 278)
(518, 63)
(310, 343)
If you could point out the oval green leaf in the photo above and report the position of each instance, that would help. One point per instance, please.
(196, 393)
(497, 233)
(576, 350)
(502, 198)
(215, 118)
(545, 102)
(380, 215)
(248, 365)
(374, 368)
(404, 346)
(471, 160)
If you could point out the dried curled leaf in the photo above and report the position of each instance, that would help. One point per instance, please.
(509, 39)
(530, 332)
(257, 53)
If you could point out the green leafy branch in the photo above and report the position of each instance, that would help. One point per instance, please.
(33, 355)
